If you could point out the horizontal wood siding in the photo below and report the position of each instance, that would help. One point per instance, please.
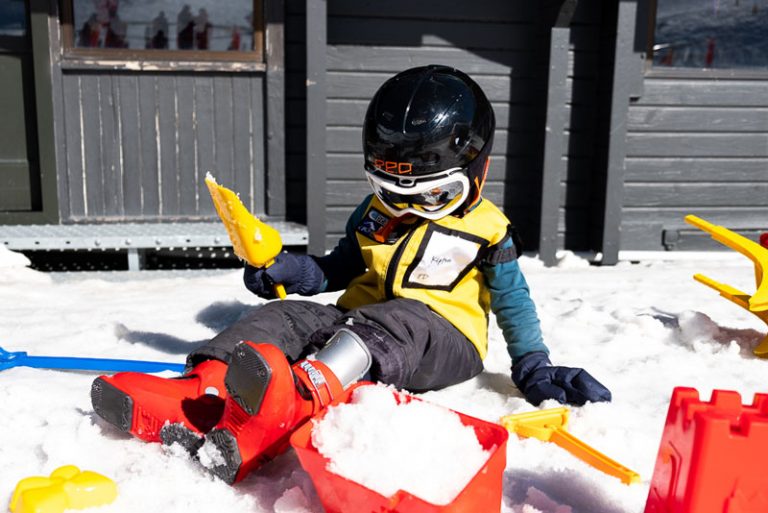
(695, 146)
(138, 145)
(504, 47)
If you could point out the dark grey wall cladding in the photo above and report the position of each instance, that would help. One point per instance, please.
(592, 40)
(695, 147)
(503, 45)
(138, 145)
(295, 109)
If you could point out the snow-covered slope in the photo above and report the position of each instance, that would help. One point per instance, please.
(641, 329)
(732, 31)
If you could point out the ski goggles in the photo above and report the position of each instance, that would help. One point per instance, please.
(431, 196)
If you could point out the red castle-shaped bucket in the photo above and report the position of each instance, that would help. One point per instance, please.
(341, 495)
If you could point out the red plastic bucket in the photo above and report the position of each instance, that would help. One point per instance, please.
(341, 495)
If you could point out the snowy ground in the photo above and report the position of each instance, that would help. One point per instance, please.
(641, 329)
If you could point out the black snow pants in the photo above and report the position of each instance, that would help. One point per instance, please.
(412, 347)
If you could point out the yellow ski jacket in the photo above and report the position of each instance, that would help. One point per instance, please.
(462, 267)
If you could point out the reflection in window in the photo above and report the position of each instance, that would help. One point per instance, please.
(13, 19)
(164, 24)
(711, 34)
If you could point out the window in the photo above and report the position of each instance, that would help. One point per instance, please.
(711, 34)
(164, 29)
(13, 18)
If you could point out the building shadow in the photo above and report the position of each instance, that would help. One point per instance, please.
(555, 490)
(216, 317)
(505, 47)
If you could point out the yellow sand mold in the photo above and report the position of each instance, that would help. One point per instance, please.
(66, 488)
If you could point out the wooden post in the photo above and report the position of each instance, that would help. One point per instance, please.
(553, 169)
(316, 124)
(624, 71)
(554, 163)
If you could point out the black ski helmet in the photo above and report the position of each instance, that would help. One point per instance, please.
(426, 120)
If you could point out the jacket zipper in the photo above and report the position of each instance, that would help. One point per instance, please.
(389, 279)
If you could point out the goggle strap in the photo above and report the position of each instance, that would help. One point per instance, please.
(479, 185)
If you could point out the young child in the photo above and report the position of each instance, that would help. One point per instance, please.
(424, 261)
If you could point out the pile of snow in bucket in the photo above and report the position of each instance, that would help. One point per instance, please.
(414, 446)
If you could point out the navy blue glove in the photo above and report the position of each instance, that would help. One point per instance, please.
(299, 274)
(538, 380)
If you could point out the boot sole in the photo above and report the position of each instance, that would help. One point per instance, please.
(246, 381)
(226, 444)
(248, 378)
(178, 433)
(112, 404)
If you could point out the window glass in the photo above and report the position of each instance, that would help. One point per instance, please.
(13, 18)
(725, 34)
(164, 24)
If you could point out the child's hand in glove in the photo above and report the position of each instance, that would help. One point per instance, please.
(299, 274)
(539, 380)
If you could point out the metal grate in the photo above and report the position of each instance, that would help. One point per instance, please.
(132, 237)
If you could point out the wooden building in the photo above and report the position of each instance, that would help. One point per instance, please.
(605, 137)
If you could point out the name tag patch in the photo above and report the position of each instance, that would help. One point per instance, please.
(443, 259)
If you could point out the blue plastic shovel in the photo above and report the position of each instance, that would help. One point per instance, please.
(10, 359)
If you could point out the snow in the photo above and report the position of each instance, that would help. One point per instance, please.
(641, 329)
(736, 30)
(364, 449)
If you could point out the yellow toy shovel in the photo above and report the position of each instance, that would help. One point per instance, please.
(757, 303)
(550, 426)
(253, 241)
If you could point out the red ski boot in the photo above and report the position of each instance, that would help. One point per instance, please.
(269, 399)
(141, 404)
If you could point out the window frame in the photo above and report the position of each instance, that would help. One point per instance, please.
(157, 59)
(692, 73)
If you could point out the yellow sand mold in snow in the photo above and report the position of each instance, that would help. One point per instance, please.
(756, 303)
(252, 240)
(66, 488)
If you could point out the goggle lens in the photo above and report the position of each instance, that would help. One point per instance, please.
(435, 197)
(422, 195)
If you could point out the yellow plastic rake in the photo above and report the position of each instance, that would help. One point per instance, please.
(756, 303)
(252, 240)
(550, 426)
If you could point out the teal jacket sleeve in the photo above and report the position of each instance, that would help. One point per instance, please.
(512, 304)
(344, 262)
